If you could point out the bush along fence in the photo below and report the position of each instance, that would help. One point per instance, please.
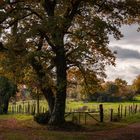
(82, 115)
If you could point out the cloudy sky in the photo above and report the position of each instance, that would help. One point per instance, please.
(128, 55)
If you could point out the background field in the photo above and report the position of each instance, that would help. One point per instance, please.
(77, 109)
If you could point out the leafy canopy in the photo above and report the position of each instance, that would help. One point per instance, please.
(35, 30)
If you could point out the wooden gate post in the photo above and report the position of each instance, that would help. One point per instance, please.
(101, 112)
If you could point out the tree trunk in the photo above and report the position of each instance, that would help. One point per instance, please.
(1, 105)
(57, 117)
(56, 103)
(47, 92)
(38, 104)
(4, 105)
(5, 108)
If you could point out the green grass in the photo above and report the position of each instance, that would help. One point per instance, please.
(43, 135)
(19, 117)
(61, 135)
(36, 131)
(15, 136)
(92, 106)
(30, 130)
(137, 98)
(132, 119)
(72, 105)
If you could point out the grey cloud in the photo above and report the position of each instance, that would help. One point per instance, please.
(127, 70)
(131, 36)
(126, 53)
(134, 69)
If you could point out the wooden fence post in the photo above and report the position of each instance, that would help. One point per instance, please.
(119, 111)
(38, 109)
(111, 115)
(20, 108)
(85, 117)
(28, 108)
(125, 111)
(79, 117)
(23, 107)
(129, 109)
(136, 108)
(101, 113)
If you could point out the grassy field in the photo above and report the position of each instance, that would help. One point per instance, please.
(22, 126)
(15, 127)
(80, 106)
(75, 105)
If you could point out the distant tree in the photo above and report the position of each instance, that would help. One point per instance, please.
(83, 85)
(7, 90)
(112, 88)
(120, 82)
(122, 86)
(117, 90)
(136, 84)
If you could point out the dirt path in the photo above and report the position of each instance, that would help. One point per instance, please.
(11, 127)
(130, 132)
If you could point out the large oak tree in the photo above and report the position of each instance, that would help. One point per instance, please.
(51, 37)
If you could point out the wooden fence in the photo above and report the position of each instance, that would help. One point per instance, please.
(124, 111)
(26, 108)
(82, 115)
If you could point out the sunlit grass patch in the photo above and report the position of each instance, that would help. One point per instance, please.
(53, 135)
(16, 116)
(132, 118)
(15, 136)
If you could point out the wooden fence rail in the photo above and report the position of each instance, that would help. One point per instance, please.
(77, 116)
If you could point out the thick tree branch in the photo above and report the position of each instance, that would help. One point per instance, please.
(47, 90)
(6, 15)
(71, 12)
(16, 20)
(40, 43)
(50, 43)
(2, 48)
(49, 6)
(33, 12)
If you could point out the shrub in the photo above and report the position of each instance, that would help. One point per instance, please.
(42, 118)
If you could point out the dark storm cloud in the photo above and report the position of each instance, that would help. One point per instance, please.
(126, 53)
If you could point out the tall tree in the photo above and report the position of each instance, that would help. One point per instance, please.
(136, 84)
(7, 90)
(53, 36)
